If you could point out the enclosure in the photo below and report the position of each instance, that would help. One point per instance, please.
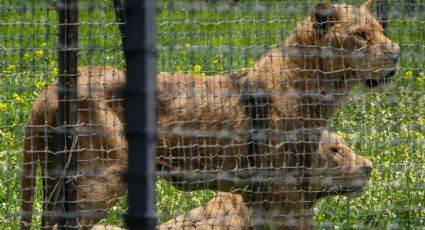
(197, 41)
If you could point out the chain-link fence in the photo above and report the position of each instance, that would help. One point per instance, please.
(384, 126)
(30, 44)
(271, 114)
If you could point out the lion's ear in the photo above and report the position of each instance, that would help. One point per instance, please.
(368, 4)
(323, 16)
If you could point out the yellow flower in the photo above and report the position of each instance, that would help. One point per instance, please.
(6, 135)
(39, 53)
(10, 69)
(202, 75)
(55, 71)
(197, 68)
(416, 135)
(403, 150)
(27, 56)
(40, 85)
(187, 45)
(24, 73)
(3, 106)
(19, 98)
(421, 77)
(408, 74)
(421, 120)
(341, 134)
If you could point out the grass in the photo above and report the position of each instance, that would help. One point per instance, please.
(387, 127)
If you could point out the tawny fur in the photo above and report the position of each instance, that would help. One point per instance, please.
(306, 79)
(334, 160)
(201, 120)
(224, 211)
(287, 201)
(102, 154)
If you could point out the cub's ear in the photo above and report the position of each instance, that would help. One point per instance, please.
(323, 16)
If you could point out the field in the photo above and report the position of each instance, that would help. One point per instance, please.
(386, 126)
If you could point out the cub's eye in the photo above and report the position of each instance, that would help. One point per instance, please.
(361, 34)
(334, 149)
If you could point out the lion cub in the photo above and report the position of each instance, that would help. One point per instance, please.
(338, 170)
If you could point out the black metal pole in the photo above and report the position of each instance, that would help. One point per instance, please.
(410, 6)
(382, 13)
(66, 206)
(119, 12)
(140, 112)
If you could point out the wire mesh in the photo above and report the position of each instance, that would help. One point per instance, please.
(246, 139)
(384, 126)
(29, 44)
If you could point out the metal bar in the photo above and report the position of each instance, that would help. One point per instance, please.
(410, 6)
(66, 206)
(382, 13)
(119, 12)
(140, 112)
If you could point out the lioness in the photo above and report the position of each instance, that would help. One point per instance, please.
(337, 170)
(231, 132)
(294, 87)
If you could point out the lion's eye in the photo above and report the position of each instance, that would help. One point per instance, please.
(334, 150)
(361, 33)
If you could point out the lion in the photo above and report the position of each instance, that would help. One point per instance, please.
(234, 132)
(337, 170)
(225, 211)
(99, 140)
(211, 123)
(102, 148)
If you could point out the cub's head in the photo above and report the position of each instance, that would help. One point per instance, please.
(337, 169)
(346, 43)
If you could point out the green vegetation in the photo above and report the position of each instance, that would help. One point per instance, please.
(386, 126)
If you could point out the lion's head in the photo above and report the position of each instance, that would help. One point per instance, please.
(370, 55)
(346, 44)
(337, 169)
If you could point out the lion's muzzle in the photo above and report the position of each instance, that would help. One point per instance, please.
(392, 57)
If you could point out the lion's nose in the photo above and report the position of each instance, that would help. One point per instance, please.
(366, 169)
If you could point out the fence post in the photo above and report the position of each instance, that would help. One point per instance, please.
(382, 13)
(410, 6)
(120, 17)
(65, 207)
(140, 112)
